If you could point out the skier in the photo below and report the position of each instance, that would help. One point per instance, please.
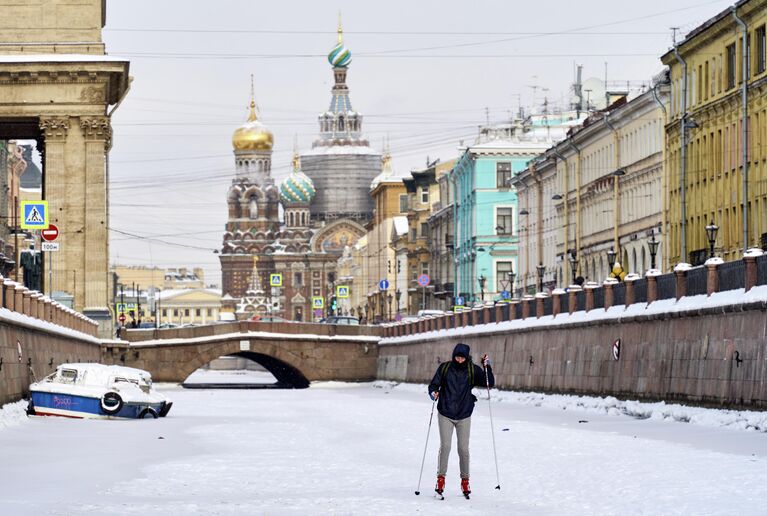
(451, 386)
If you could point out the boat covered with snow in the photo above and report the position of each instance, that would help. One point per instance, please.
(82, 390)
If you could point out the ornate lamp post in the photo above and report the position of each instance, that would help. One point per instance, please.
(398, 295)
(711, 230)
(541, 269)
(611, 259)
(511, 276)
(573, 260)
(482, 280)
(653, 245)
(389, 298)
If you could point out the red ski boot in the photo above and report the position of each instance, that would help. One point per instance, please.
(440, 484)
(465, 487)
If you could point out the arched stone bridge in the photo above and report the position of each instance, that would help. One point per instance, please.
(295, 353)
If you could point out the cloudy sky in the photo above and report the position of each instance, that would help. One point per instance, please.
(426, 74)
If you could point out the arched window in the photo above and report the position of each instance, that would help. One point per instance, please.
(253, 207)
(341, 123)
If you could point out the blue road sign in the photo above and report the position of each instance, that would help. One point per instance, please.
(383, 284)
(34, 214)
(459, 301)
(424, 280)
(505, 294)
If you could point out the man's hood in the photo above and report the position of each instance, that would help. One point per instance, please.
(461, 349)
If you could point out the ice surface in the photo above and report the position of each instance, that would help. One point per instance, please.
(339, 448)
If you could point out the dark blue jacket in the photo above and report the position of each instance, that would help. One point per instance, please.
(454, 384)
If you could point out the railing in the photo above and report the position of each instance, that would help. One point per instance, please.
(710, 278)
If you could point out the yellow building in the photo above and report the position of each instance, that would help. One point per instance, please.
(188, 306)
(390, 200)
(704, 173)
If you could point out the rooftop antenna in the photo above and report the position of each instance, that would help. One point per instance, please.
(487, 116)
(674, 30)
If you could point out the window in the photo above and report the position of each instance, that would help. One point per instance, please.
(424, 267)
(186, 312)
(424, 195)
(503, 221)
(731, 65)
(761, 50)
(413, 235)
(210, 312)
(298, 278)
(502, 270)
(503, 175)
(424, 230)
(403, 203)
(199, 312)
(175, 312)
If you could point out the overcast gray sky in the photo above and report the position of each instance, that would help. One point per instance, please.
(424, 73)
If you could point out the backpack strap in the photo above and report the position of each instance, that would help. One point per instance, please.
(446, 365)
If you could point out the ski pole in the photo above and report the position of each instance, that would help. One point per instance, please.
(423, 460)
(492, 427)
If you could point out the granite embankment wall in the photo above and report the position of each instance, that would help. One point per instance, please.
(703, 350)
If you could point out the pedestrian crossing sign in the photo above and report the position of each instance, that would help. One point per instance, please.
(342, 291)
(318, 302)
(275, 280)
(34, 214)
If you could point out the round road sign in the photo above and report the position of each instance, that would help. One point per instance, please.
(424, 280)
(50, 234)
(122, 318)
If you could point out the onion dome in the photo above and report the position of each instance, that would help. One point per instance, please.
(253, 135)
(297, 188)
(340, 56)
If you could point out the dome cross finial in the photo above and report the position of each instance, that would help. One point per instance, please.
(296, 157)
(340, 28)
(252, 115)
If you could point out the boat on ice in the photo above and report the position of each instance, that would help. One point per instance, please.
(97, 391)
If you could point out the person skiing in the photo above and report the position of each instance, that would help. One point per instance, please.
(451, 388)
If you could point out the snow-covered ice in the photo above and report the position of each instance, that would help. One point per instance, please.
(340, 448)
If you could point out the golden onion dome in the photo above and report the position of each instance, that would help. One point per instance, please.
(253, 135)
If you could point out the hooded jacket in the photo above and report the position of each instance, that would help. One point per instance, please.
(454, 382)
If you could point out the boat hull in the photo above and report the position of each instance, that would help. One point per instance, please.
(82, 407)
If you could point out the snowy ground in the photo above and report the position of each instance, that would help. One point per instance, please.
(356, 449)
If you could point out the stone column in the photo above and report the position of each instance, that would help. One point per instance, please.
(712, 275)
(652, 285)
(540, 299)
(19, 298)
(629, 281)
(498, 312)
(513, 309)
(47, 309)
(589, 289)
(475, 316)
(97, 133)
(9, 294)
(26, 302)
(55, 131)
(751, 269)
(609, 296)
(681, 279)
(572, 292)
(556, 301)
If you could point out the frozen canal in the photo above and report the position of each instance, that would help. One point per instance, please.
(356, 449)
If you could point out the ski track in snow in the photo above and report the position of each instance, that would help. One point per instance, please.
(341, 449)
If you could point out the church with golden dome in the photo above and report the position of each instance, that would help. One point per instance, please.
(299, 227)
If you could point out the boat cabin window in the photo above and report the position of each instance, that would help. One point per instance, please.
(68, 375)
(118, 379)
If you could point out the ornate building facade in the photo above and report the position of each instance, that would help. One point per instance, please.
(323, 211)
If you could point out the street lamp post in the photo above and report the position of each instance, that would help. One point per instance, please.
(711, 230)
(389, 298)
(397, 295)
(653, 245)
(541, 269)
(611, 254)
(482, 281)
(572, 259)
(511, 276)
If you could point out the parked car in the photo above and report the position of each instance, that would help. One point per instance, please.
(342, 319)
(422, 313)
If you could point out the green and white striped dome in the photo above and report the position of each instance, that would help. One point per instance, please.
(340, 56)
(297, 188)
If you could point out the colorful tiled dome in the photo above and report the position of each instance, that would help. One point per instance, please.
(297, 188)
(340, 56)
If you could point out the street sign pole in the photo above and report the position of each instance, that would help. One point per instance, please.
(50, 275)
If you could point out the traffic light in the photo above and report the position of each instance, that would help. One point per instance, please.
(333, 305)
(399, 266)
(388, 266)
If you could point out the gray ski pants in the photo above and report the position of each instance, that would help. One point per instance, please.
(462, 430)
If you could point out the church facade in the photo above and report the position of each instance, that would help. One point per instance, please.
(282, 262)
